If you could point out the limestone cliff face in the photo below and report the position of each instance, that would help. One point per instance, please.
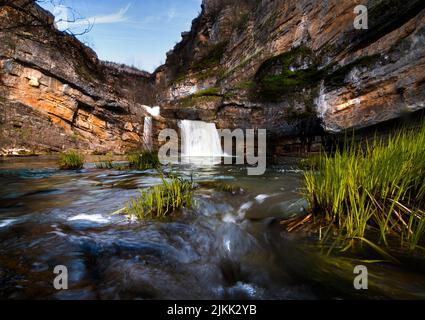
(55, 94)
(298, 68)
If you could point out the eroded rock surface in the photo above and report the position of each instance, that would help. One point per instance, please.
(56, 94)
(298, 68)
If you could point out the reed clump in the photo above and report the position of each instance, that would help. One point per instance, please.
(71, 160)
(372, 195)
(144, 160)
(160, 201)
(105, 164)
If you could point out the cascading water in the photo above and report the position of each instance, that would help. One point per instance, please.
(147, 128)
(147, 133)
(200, 142)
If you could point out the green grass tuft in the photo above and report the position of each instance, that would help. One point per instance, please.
(373, 195)
(160, 201)
(144, 160)
(71, 160)
(106, 164)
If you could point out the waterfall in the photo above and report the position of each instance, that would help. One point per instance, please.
(147, 133)
(147, 128)
(153, 111)
(200, 142)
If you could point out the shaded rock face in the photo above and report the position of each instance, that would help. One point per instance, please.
(298, 68)
(55, 94)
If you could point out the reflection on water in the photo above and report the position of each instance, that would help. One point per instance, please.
(229, 247)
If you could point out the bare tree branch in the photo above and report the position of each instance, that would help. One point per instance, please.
(36, 21)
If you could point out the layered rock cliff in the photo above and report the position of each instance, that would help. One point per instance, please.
(298, 68)
(55, 94)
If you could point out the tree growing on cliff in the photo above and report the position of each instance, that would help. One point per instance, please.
(66, 17)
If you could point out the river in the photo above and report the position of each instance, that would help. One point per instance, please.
(230, 246)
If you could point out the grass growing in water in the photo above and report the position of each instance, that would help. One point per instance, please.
(222, 187)
(160, 201)
(71, 160)
(144, 160)
(106, 164)
(373, 195)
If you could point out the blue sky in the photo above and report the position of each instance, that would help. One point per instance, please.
(135, 32)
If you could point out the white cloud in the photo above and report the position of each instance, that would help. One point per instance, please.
(172, 13)
(119, 16)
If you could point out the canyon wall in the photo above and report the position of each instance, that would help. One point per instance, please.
(55, 94)
(298, 68)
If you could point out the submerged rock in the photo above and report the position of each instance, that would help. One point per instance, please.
(275, 207)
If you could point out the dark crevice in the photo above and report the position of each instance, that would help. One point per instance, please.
(116, 109)
(63, 119)
(385, 17)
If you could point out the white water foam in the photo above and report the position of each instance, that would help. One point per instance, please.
(200, 142)
(147, 133)
(6, 223)
(148, 125)
(92, 218)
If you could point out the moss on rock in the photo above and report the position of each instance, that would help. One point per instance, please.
(286, 73)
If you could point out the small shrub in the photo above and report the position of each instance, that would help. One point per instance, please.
(144, 160)
(71, 160)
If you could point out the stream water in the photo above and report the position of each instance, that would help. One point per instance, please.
(230, 246)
